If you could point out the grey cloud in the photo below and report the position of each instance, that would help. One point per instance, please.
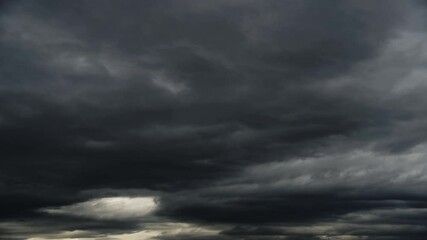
(247, 117)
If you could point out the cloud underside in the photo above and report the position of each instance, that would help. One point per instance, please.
(225, 120)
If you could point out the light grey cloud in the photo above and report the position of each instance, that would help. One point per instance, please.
(112, 208)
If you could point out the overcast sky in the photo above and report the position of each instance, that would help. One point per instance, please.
(213, 120)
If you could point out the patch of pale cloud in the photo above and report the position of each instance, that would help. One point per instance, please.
(109, 208)
(167, 84)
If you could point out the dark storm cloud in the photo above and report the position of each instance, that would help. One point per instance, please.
(247, 119)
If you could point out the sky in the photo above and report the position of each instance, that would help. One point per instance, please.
(213, 120)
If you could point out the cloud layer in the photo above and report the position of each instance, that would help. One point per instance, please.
(223, 120)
